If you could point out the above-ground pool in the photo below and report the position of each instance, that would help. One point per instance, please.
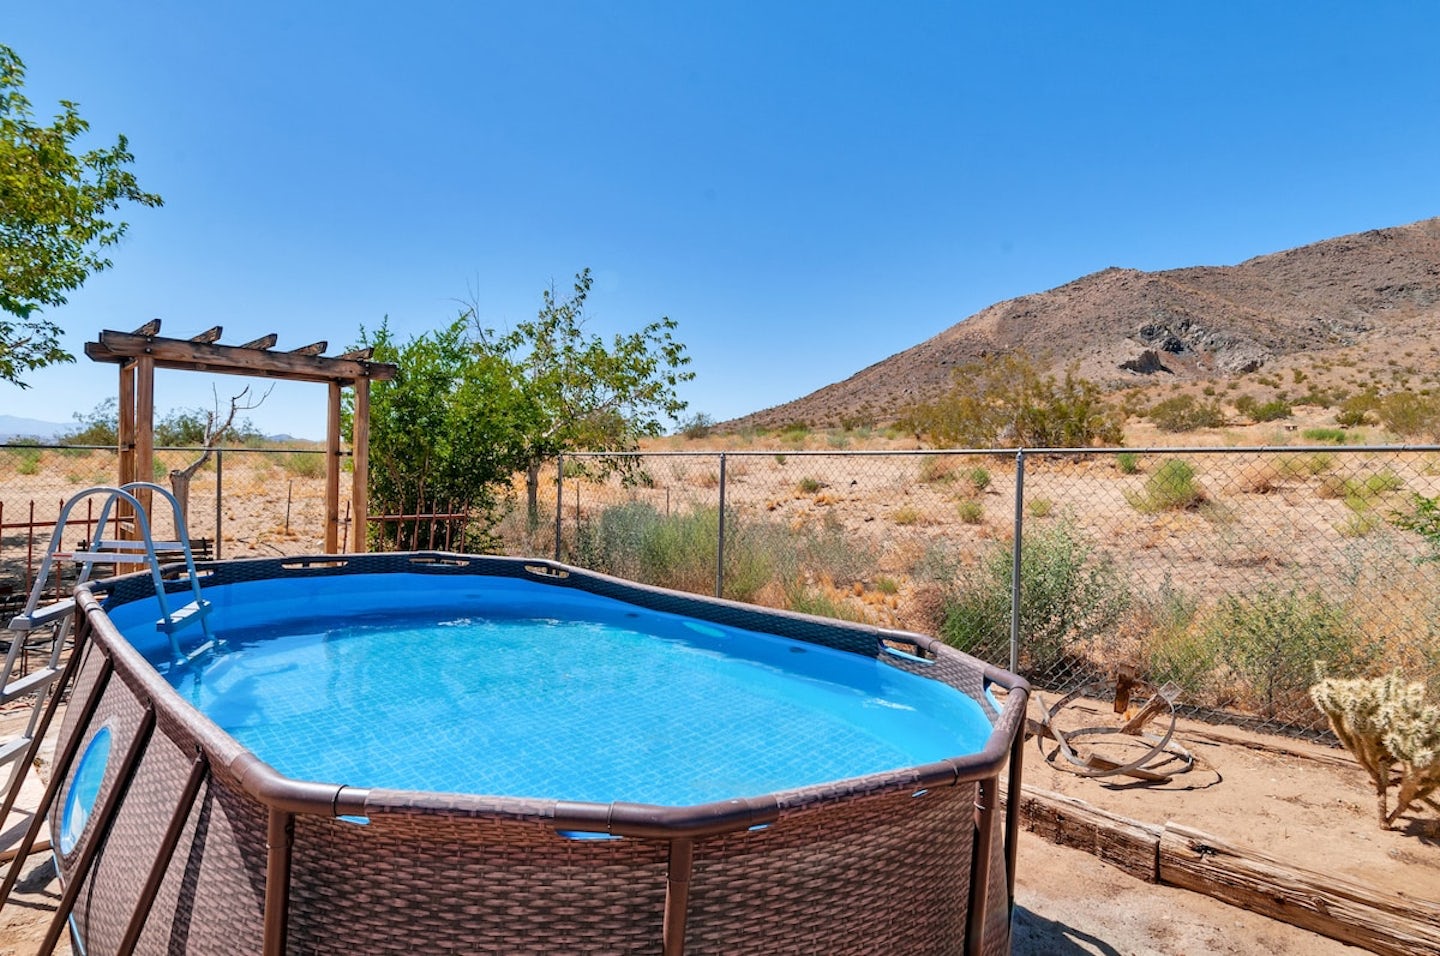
(417, 752)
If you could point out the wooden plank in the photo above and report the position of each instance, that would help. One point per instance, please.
(149, 328)
(360, 355)
(263, 342)
(211, 334)
(233, 360)
(1129, 844)
(1333, 907)
(314, 348)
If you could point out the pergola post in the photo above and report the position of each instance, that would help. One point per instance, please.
(332, 472)
(125, 436)
(360, 464)
(144, 425)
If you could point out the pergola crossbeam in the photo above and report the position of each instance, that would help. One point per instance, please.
(140, 352)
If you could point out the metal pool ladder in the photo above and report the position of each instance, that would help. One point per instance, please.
(58, 615)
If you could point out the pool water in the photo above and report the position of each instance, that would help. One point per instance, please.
(478, 689)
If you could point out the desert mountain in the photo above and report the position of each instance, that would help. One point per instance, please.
(1364, 295)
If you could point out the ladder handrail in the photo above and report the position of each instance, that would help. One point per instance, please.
(126, 494)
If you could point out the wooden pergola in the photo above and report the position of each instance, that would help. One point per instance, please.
(141, 352)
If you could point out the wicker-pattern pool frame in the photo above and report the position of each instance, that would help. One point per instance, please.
(197, 846)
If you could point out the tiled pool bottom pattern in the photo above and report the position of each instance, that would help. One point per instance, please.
(610, 704)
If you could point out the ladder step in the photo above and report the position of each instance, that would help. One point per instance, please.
(28, 684)
(183, 616)
(106, 557)
(13, 750)
(42, 616)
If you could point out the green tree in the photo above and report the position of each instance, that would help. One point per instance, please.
(470, 408)
(55, 225)
(449, 429)
(581, 394)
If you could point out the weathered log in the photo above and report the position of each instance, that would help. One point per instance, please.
(1129, 844)
(1331, 906)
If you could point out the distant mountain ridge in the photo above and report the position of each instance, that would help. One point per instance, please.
(12, 427)
(1366, 293)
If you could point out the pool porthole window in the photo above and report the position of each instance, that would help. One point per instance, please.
(84, 789)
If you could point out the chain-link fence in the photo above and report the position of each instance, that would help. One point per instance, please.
(241, 503)
(1227, 572)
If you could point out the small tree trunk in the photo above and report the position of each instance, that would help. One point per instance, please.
(532, 495)
(180, 484)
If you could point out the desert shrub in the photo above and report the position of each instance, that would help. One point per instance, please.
(1360, 522)
(808, 485)
(1185, 413)
(795, 433)
(1007, 400)
(26, 461)
(1273, 410)
(1171, 488)
(822, 603)
(1271, 640)
(978, 478)
(1333, 486)
(905, 515)
(1258, 477)
(679, 550)
(1334, 436)
(1381, 482)
(887, 585)
(829, 553)
(1408, 414)
(837, 440)
(1358, 409)
(1423, 519)
(303, 464)
(1040, 507)
(1127, 463)
(971, 511)
(937, 468)
(1069, 594)
(99, 426)
(697, 426)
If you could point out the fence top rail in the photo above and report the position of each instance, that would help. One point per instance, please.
(1015, 452)
(229, 449)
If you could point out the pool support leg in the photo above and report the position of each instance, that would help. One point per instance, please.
(103, 821)
(57, 780)
(986, 793)
(1012, 812)
(199, 770)
(279, 841)
(677, 896)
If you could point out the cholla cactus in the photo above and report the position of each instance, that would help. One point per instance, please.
(1413, 736)
(1382, 722)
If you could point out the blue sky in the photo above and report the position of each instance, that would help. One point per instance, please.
(805, 188)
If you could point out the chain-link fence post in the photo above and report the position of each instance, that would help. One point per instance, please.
(720, 536)
(559, 486)
(219, 499)
(1017, 549)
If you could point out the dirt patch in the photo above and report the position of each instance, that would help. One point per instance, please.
(1305, 804)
